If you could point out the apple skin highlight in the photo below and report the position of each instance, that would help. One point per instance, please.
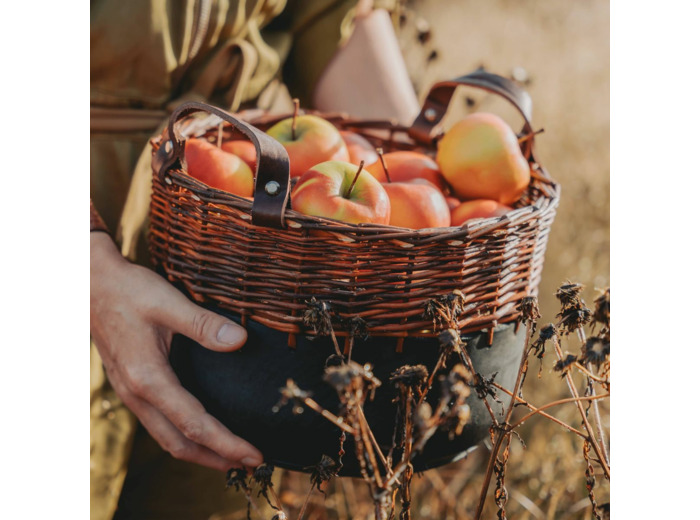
(321, 192)
(316, 141)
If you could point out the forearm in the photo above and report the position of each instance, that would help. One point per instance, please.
(367, 77)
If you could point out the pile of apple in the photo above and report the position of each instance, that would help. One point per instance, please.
(478, 172)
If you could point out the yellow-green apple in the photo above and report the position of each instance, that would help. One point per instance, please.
(408, 165)
(217, 168)
(480, 208)
(342, 191)
(309, 140)
(242, 148)
(417, 204)
(481, 159)
(359, 148)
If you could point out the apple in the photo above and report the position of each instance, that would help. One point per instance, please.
(242, 148)
(417, 204)
(359, 148)
(217, 168)
(481, 159)
(452, 202)
(341, 191)
(408, 165)
(309, 140)
(480, 208)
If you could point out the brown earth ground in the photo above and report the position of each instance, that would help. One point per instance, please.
(560, 51)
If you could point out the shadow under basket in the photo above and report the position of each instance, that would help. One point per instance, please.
(241, 389)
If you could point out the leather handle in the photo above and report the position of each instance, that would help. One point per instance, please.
(272, 182)
(426, 126)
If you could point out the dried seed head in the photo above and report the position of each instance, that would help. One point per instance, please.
(596, 350)
(450, 339)
(569, 294)
(343, 377)
(484, 387)
(602, 309)
(564, 365)
(574, 318)
(529, 309)
(410, 376)
(456, 419)
(323, 471)
(318, 317)
(445, 309)
(293, 393)
(263, 474)
(236, 478)
(357, 328)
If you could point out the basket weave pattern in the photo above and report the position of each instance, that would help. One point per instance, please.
(204, 239)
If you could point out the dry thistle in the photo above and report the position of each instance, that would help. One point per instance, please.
(236, 478)
(569, 294)
(292, 393)
(413, 377)
(322, 472)
(601, 314)
(596, 351)
(318, 317)
(565, 364)
(263, 476)
(529, 312)
(445, 309)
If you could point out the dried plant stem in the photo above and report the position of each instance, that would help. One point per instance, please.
(596, 410)
(537, 411)
(544, 414)
(588, 371)
(375, 444)
(502, 432)
(306, 503)
(574, 392)
(338, 421)
(219, 134)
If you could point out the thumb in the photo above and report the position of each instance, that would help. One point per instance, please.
(207, 328)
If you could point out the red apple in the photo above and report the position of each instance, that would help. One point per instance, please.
(313, 141)
(243, 149)
(217, 168)
(480, 208)
(408, 165)
(417, 204)
(359, 148)
(481, 159)
(335, 189)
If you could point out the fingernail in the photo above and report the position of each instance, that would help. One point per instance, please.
(251, 462)
(229, 334)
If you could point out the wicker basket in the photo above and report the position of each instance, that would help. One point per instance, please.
(265, 262)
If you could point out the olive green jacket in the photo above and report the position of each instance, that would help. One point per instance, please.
(147, 57)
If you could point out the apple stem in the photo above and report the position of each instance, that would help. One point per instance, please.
(220, 135)
(530, 135)
(380, 152)
(359, 170)
(294, 118)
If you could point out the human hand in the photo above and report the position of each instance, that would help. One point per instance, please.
(133, 316)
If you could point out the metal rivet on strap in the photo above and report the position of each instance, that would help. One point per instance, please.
(430, 114)
(168, 147)
(272, 188)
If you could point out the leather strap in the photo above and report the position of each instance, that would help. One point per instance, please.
(426, 127)
(272, 185)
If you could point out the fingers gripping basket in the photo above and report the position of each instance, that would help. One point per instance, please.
(265, 264)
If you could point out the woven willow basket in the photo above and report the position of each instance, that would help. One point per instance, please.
(265, 262)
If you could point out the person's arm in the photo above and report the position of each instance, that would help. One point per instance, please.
(133, 316)
(367, 76)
